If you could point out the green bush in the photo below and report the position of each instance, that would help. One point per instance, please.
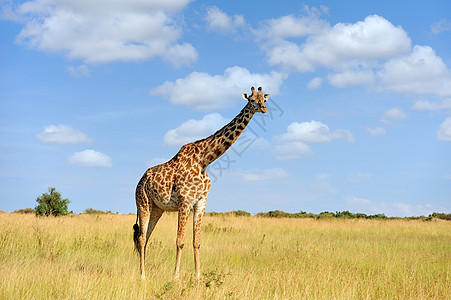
(92, 211)
(27, 210)
(378, 216)
(326, 215)
(345, 214)
(441, 216)
(241, 213)
(238, 213)
(51, 204)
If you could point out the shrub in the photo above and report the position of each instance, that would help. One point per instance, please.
(241, 213)
(378, 216)
(278, 214)
(93, 211)
(326, 215)
(345, 214)
(51, 204)
(442, 216)
(361, 216)
(228, 213)
(27, 210)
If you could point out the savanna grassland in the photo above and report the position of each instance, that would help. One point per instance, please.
(92, 257)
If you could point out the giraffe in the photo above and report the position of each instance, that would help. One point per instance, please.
(182, 184)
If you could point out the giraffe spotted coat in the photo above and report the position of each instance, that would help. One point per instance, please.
(182, 184)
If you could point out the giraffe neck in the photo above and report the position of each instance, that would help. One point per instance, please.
(218, 143)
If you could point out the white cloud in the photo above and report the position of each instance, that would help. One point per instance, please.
(193, 130)
(419, 72)
(444, 131)
(80, 71)
(261, 175)
(219, 21)
(393, 114)
(105, 31)
(351, 78)
(372, 52)
(337, 47)
(441, 26)
(211, 92)
(313, 132)
(180, 54)
(90, 159)
(373, 38)
(427, 105)
(378, 131)
(315, 83)
(62, 135)
(7, 12)
(291, 26)
(295, 142)
(291, 150)
(288, 56)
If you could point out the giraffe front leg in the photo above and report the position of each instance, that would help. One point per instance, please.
(184, 210)
(199, 210)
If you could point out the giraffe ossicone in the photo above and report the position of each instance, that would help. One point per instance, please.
(182, 183)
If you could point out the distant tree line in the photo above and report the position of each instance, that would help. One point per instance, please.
(323, 215)
(52, 204)
(281, 214)
(331, 215)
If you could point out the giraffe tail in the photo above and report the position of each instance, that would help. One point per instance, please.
(136, 233)
(140, 195)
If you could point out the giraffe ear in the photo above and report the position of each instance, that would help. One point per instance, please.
(266, 97)
(245, 97)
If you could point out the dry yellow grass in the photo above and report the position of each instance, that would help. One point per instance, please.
(92, 257)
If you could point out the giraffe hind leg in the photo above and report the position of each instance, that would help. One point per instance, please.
(144, 218)
(147, 222)
(155, 215)
(144, 209)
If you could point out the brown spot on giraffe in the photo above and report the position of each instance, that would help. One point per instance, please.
(182, 183)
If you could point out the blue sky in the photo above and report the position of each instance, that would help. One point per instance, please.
(94, 93)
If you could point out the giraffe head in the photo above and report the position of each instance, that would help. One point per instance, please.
(257, 100)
